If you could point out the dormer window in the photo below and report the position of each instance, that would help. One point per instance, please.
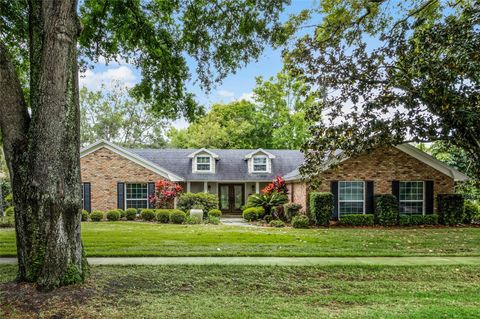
(260, 163)
(204, 163)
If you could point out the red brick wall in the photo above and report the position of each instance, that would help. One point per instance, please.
(104, 169)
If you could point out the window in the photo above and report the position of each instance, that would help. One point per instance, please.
(260, 163)
(411, 198)
(351, 197)
(136, 195)
(203, 163)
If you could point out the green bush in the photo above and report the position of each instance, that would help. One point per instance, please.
(212, 220)
(476, 219)
(300, 221)
(414, 220)
(471, 209)
(177, 217)
(113, 215)
(206, 201)
(122, 213)
(84, 215)
(269, 218)
(10, 211)
(9, 222)
(276, 223)
(386, 210)
(431, 219)
(252, 213)
(267, 201)
(321, 208)
(131, 213)
(192, 220)
(215, 213)
(450, 209)
(291, 210)
(147, 214)
(163, 215)
(357, 220)
(96, 215)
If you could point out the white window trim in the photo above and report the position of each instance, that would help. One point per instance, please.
(195, 163)
(267, 160)
(351, 201)
(411, 200)
(125, 193)
(251, 165)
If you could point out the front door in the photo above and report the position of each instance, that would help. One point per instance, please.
(231, 197)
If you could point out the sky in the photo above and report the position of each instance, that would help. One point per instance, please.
(234, 87)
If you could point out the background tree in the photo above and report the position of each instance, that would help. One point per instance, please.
(39, 43)
(274, 120)
(116, 116)
(394, 72)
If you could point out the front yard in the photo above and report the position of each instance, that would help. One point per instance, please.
(253, 292)
(151, 239)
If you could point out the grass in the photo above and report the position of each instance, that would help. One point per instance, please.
(253, 292)
(149, 239)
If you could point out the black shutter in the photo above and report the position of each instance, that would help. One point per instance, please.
(151, 191)
(396, 191)
(369, 197)
(429, 197)
(334, 190)
(87, 201)
(121, 195)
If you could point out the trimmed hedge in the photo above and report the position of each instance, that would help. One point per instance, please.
(300, 221)
(121, 212)
(276, 223)
(96, 215)
(450, 209)
(386, 209)
(212, 220)
(252, 213)
(163, 215)
(414, 220)
(471, 210)
(177, 217)
(215, 213)
(84, 215)
(113, 215)
(131, 213)
(291, 210)
(207, 202)
(357, 220)
(321, 208)
(147, 214)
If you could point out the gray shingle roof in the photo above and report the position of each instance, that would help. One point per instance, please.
(231, 165)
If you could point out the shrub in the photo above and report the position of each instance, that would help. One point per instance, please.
(131, 213)
(450, 209)
(291, 210)
(10, 211)
(321, 208)
(113, 215)
(84, 215)
(9, 222)
(96, 215)
(192, 220)
(252, 213)
(414, 220)
(215, 213)
(476, 219)
(147, 214)
(212, 220)
(431, 219)
(177, 217)
(121, 212)
(276, 223)
(163, 215)
(300, 221)
(471, 209)
(269, 218)
(267, 201)
(386, 210)
(187, 201)
(357, 220)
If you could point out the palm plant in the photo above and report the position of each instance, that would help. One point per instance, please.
(267, 201)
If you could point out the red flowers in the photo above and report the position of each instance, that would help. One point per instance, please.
(165, 192)
(278, 185)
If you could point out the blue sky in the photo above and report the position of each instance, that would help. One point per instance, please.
(235, 86)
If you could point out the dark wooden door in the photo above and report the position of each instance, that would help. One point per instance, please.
(231, 198)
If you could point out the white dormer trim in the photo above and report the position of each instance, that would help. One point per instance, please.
(260, 150)
(263, 154)
(195, 163)
(203, 150)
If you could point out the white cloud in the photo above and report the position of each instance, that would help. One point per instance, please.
(94, 80)
(247, 97)
(225, 93)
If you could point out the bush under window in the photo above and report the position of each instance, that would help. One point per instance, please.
(321, 208)
(356, 219)
(300, 221)
(415, 220)
(96, 215)
(131, 213)
(177, 217)
(113, 215)
(147, 214)
(163, 215)
(450, 209)
(386, 210)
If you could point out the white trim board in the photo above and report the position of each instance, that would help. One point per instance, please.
(130, 156)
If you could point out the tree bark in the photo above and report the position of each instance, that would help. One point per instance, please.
(42, 148)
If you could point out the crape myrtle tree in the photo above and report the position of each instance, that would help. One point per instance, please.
(41, 44)
(393, 72)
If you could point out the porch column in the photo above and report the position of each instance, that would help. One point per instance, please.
(205, 187)
(175, 203)
(188, 187)
(257, 187)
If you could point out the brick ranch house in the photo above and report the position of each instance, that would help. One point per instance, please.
(116, 177)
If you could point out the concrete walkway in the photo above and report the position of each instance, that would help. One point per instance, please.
(281, 261)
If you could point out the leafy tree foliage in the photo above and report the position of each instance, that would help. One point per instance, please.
(275, 119)
(394, 71)
(116, 116)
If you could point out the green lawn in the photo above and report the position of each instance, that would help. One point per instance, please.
(149, 239)
(253, 292)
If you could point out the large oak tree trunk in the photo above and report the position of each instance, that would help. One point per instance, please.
(42, 148)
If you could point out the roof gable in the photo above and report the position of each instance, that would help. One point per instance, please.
(259, 151)
(202, 151)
